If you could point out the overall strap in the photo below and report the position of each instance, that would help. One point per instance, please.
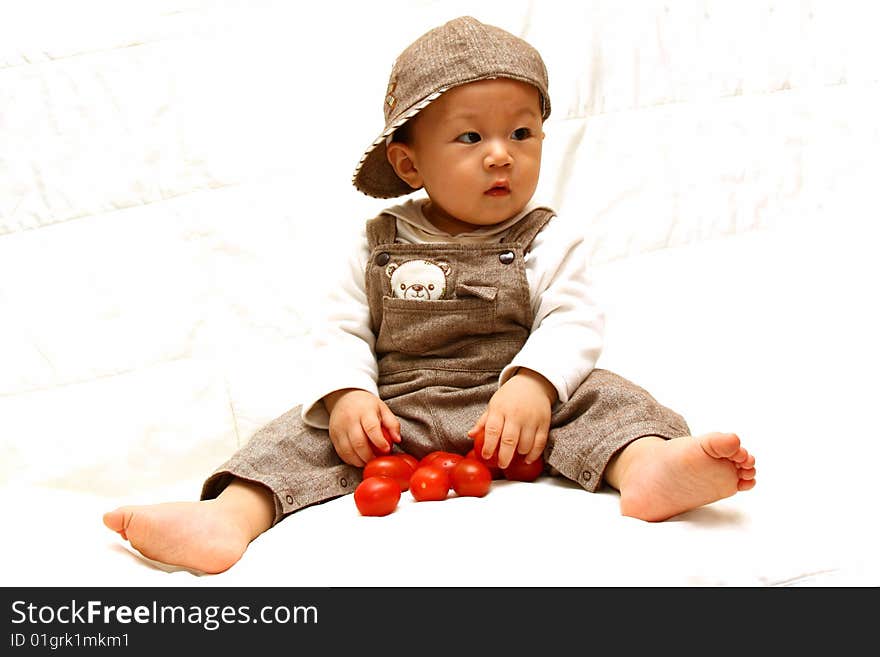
(381, 230)
(526, 228)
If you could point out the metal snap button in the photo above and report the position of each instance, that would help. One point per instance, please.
(382, 259)
(289, 499)
(586, 475)
(343, 482)
(506, 257)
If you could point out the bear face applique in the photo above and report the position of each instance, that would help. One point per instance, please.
(423, 280)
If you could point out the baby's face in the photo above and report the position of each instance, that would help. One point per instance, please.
(477, 151)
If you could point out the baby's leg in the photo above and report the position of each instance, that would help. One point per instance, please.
(209, 536)
(659, 478)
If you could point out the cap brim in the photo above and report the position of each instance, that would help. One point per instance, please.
(374, 175)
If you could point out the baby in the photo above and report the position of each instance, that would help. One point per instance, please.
(464, 314)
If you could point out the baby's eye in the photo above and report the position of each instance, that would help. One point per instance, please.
(521, 133)
(430, 286)
(468, 138)
(403, 286)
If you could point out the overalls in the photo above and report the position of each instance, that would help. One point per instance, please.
(439, 363)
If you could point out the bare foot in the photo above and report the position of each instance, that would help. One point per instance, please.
(196, 535)
(209, 536)
(658, 479)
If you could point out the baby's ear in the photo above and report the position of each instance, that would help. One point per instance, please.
(400, 157)
(390, 268)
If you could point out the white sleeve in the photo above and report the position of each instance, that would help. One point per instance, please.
(342, 343)
(568, 327)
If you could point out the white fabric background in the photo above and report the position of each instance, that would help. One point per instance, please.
(175, 176)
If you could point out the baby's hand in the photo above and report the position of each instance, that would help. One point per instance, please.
(517, 418)
(356, 421)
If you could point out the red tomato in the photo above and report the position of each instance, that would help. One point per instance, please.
(410, 459)
(519, 470)
(428, 458)
(392, 466)
(470, 478)
(495, 471)
(378, 452)
(492, 461)
(446, 460)
(387, 436)
(429, 482)
(377, 496)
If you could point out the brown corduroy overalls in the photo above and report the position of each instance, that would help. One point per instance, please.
(439, 363)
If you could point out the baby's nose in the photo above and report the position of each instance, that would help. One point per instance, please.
(498, 155)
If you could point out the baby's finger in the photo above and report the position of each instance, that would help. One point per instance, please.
(390, 423)
(360, 444)
(526, 440)
(346, 451)
(492, 434)
(538, 446)
(372, 429)
(509, 441)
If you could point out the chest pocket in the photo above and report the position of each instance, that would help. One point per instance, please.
(437, 327)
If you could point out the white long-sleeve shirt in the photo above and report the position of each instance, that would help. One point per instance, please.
(566, 334)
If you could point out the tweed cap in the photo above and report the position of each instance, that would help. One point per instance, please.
(460, 51)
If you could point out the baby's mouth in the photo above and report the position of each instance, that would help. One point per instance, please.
(500, 188)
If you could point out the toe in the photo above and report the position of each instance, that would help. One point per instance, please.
(118, 520)
(741, 456)
(721, 445)
(114, 519)
(746, 473)
(745, 484)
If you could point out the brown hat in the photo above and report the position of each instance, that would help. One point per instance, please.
(460, 51)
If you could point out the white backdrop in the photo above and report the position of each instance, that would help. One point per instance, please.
(175, 176)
